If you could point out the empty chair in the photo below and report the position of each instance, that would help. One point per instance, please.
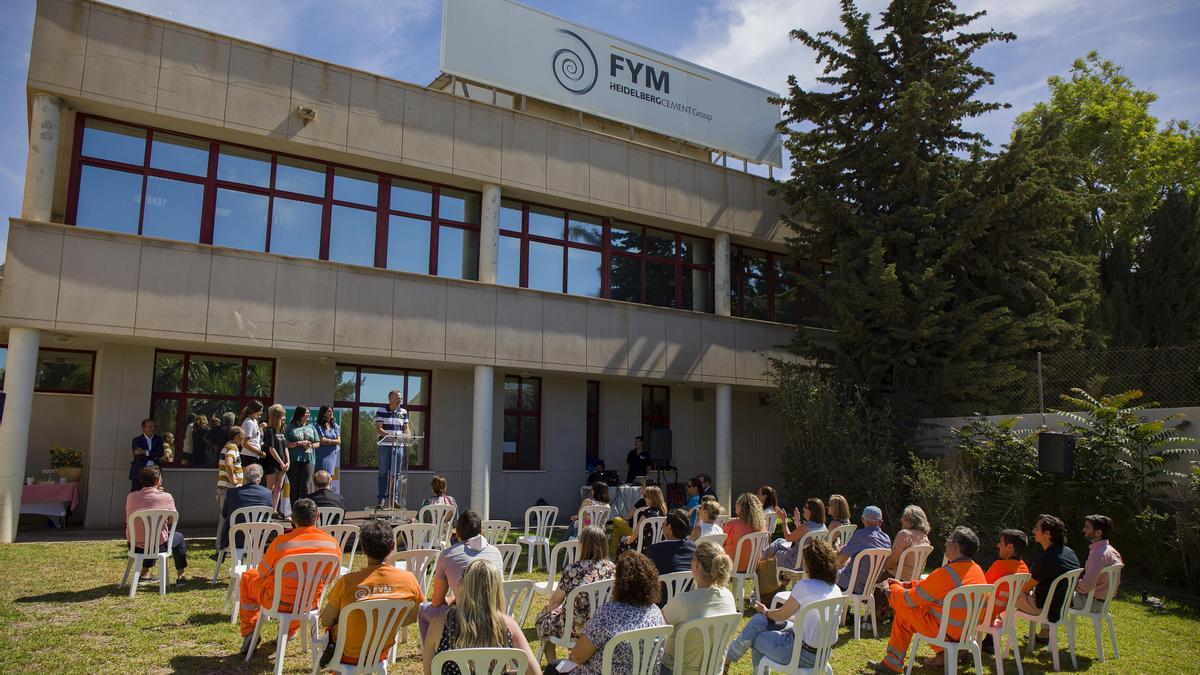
(646, 646)
(246, 514)
(1006, 628)
(420, 562)
(649, 528)
(675, 583)
(829, 615)
(597, 593)
(869, 575)
(330, 515)
(382, 619)
(718, 539)
(746, 555)
(509, 554)
(312, 571)
(518, 596)
(495, 531)
(912, 561)
(539, 522)
(145, 530)
(416, 535)
(482, 661)
(772, 520)
(255, 539)
(1097, 611)
(841, 534)
(714, 634)
(564, 553)
(1042, 618)
(442, 516)
(975, 599)
(343, 534)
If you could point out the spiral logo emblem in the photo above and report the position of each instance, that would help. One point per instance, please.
(575, 71)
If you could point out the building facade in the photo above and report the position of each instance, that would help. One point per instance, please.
(208, 221)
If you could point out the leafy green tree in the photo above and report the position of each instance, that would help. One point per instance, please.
(1165, 308)
(950, 262)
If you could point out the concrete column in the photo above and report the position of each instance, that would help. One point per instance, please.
(723, 473)
(44, 115)
(489, 234)
(19, 375)
(481, 442)
(721, 276)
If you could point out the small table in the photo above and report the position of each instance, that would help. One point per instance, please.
(55, 501)
(621, 497)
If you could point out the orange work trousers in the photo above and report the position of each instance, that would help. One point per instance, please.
(253, 594)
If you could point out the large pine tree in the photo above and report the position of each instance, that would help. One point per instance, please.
(952, 264)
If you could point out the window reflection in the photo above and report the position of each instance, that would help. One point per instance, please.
(510, 216)
(696, 290)
(508, 270)
(181, 155)
(296, 228)
(660, 284)
(109, 200)
(172, 209)
(352, 236)
(625, 282)
(660, 244)
(408, 244)
(355, 186)
(586, 230)
(240, 220)
(118, 143)
(545, 267)
(297, 175)
(458, 253)
(583, 272)
(239, 165)
(546, 222)
(412, 198)
(462, 207)
(626, 238)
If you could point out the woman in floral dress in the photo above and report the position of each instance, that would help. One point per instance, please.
(593, 565)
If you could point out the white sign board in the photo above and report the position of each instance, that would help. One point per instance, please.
(526, 51)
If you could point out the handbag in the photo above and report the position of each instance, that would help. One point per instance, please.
(767, 580)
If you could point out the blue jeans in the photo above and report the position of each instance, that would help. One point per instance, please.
(773, 644)
(385, 465)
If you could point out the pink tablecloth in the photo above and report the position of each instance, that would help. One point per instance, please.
(51, 493)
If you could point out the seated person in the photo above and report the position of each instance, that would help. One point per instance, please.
(709, 597)
(675, 552)
(1101, 554)
(1055, 559)
(693, 488)
(251, 493)
(593, 565)
(599, 496)
(777, 643)
(749, 519)
(918, 604)
(1011, 548)
(655, 507)
(379, 580)
(838, 510)
(322, 494)
(707, 517)
(152, 496)
(914, 532)
(258, 583)
(784, 549)
(438, 486)
(870, 535)
(597, 474)
(452, 564)
(477, 622)
(706, 481)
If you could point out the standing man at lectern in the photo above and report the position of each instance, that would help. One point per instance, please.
(638, 460)
(390, 422)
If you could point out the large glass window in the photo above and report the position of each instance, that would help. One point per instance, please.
(352, 236)
(656, 409)
(59, 371)
(361, 390)
(187, 384)
(767, 286)
(522, 422)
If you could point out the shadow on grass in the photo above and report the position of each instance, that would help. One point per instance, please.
(209, 618)
(111, 590)
(231, 663)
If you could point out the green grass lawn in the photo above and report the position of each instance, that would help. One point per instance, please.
(61, 612)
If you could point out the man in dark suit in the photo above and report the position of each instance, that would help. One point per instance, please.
(323, 495)
(706, 481)
(250, 493)
(147, 451)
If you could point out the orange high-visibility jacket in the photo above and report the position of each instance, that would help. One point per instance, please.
(300, 540)
(926, 596)
(998, 570)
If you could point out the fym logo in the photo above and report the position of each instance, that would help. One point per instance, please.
(575, 66)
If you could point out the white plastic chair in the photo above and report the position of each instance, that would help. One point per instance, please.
(721, 520)
(875, 558)
(419, 561)
(654, 526)
(675, 583)
(1006, 628)
(748, 550)
(829, 615)
(255, 539)
(441, 515)
(597, 593)
(330, 515)
(840, 535)
(975, 599)
(246, 514)
(518, 596)
(495, 531)
(914, 557)
(313, 571)
(482, 661)
(714, 633)
(1097, 612)
(383, 619)
(1070, 579)
(568, 551)
(509, 555)
(151, 523)
(596, 514)
(815, 535)
(539, 523)
(342, 534)
(646, 644)
(718, 539)
(416, 535)
(772, 519)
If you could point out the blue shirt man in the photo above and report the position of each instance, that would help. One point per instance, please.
(391, 421)
(870, 535)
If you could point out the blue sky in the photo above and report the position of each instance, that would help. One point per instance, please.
(1156, 41)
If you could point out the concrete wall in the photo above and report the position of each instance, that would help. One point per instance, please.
(74, 279)
(112, 61)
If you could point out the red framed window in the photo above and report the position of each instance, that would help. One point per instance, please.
(656, 409)
(767, 286)
(140, 180)
(656, 267)
(592, 439)
(192, 383)
(59, 371)
(522, 422)
(359, 391)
